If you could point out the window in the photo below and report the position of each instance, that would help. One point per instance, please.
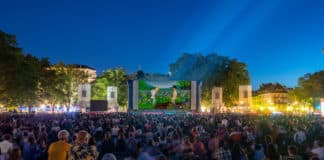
(217, 95)
(245, 94)
(84, 93)
(112, 95)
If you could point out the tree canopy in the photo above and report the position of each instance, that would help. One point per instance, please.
(310, 88)
(28, 80)
(213, 70)
(112, 77)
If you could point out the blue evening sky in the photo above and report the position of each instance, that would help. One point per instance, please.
(279, 40)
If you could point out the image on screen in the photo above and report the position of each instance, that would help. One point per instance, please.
(164, 95)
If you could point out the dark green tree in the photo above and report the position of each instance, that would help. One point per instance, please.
(19, 74)
(213, 70)
(310, 88)
(111, 77)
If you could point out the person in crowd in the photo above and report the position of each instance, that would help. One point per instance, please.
(223, 153)
(258, 152)
(300, 136)
(41, 150)
(81, 150)
(292, 153)
(109, 156)
(186, 148)
(318, 149)
(271, 153)
(30, 149)
(59, 149)
(199, 148)
(6, 146)
(108, 145)
(136, 135)
(15, 154)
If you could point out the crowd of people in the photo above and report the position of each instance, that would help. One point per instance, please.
(135, 135)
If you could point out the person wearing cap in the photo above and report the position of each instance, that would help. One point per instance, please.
(59, 150)
(81, 150)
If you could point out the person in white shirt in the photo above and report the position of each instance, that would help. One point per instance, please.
(153, 93)
(299, 136)
(318, 150)
(6, 146)
(225, 122)
(174, 95)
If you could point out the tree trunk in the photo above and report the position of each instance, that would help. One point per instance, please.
(29, 109)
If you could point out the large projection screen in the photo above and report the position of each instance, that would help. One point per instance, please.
(164, 95)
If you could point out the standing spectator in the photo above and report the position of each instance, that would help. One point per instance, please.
(59, 149)
(6, 146)
(223, 153)
(41, 150)
(258, 152)
(272, 153)
(186, 148)
(292, 153)
(318, 150)
(199, 148)
(108, 145)
(15, 154)
(30, 149)
(299, 136)
(81, 150)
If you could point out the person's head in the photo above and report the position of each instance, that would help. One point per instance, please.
(107, 136)
(317, 143)
(109, 156)
(314, 158)
(31, 140)
(268, 139)
(197, 139)
(257, 147)
(292, 150)
(92, 141)
(186, 140)
(83, 136)
(6, 137)
(63, 135)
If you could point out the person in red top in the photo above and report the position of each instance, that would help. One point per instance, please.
(199, 148)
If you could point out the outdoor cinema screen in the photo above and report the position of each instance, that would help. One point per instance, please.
(164, 94)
